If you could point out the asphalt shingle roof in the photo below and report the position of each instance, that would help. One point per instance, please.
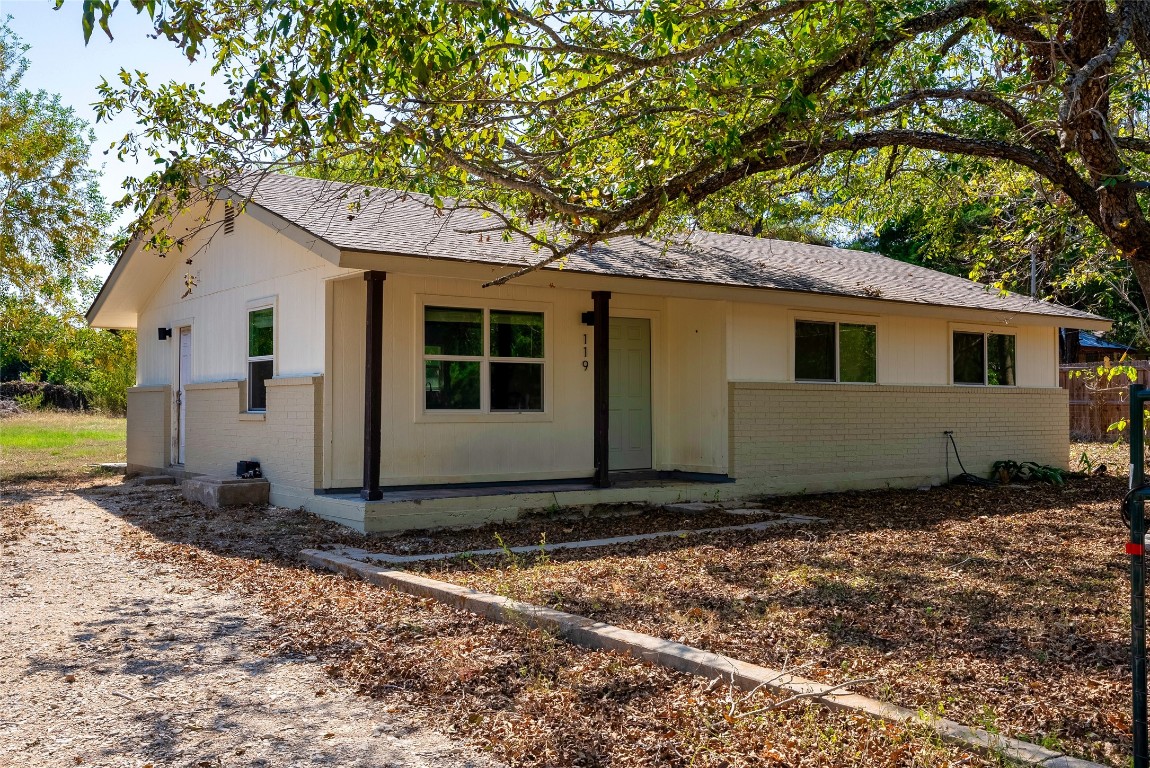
(354, 217)
(1087, 339)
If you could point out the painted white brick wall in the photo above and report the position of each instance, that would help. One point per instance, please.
(287, 441)
(793, 437)
(150, 428)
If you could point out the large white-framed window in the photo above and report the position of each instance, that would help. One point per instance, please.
(483, 360)
(982, 358)
(261, 353)
(835, 351)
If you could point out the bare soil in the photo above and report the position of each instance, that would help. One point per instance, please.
(1005, 608)
(988, 605)
(520, 695)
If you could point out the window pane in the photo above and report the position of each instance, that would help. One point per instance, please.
(1000, 359)
(969, 364)
(516, 387)
(260, 333)
(516, 334)
(450, 331)
(857, 353)
(815, 351)
(452, 385)
(259, 371)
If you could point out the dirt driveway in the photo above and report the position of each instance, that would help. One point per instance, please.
(106, 660)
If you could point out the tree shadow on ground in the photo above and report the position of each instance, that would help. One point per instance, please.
(958, 595)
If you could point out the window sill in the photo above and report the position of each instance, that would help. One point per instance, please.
(505, 417)
(253, 416)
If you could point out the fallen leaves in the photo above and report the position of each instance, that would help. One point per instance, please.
(1004, 608)
(528, 698)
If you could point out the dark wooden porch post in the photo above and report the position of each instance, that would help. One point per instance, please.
(602, 386)
(373, 387)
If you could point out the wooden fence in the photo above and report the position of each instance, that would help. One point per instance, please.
(1095, 402)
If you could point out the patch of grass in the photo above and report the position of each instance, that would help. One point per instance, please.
(58, 444)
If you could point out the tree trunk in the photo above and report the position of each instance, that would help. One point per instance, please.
(1141, 267)
(1120, 217)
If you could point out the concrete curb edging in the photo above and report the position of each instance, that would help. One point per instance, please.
(385, 557)
(683, 658)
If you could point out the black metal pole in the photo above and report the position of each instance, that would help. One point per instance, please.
(1136, 508)
(602, 341)
(373, 387)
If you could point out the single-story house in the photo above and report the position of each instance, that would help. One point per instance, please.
(1078, 346)
(347, 343)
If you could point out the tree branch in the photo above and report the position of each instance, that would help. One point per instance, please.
(1133, 144)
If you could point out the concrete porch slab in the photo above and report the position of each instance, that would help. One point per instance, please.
(153, 480)
(446, 507)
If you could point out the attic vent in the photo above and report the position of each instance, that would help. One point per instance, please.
(229, 217)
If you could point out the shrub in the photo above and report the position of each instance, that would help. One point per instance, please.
(40, 394)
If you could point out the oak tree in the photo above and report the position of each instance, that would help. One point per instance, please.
(574, 121)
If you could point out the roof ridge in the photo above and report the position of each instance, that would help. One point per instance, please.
(403, 226)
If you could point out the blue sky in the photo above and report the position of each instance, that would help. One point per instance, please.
(60, 63)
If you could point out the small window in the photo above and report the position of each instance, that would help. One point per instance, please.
(983, 358)
(835, 352)
(482, 360)
(261, 350)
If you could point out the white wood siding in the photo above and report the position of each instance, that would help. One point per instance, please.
(232, 270)
(696, 410)
(911, 350)
(438, 447)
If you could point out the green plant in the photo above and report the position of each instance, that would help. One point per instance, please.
(1050, 741)
(30, 402)
(543, 558)
(513, 559)
(1007, 471)
(987, 719)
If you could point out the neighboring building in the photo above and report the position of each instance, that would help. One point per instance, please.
(1078, 346)
(726, 367)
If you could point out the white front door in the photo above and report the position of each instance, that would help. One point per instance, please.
(185, 378)
(630, 385)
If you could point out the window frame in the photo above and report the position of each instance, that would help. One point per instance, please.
(484, 413)
(255, 306)
(836, 321)
(985, 334)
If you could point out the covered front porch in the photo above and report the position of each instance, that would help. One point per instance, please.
(606, 403)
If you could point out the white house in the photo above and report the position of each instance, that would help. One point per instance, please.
(356, 354)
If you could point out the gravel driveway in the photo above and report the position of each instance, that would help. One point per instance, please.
(109, 661)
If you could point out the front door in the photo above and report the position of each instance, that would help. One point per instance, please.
(185, 377)
(630, 424)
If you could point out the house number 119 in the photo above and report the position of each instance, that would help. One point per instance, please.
(586, 364)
